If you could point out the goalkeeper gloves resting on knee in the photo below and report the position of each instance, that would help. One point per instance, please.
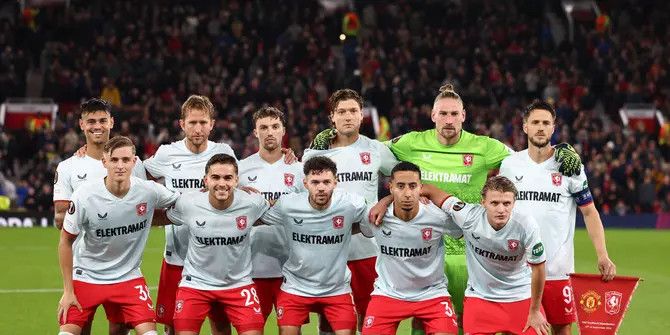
(569, 160)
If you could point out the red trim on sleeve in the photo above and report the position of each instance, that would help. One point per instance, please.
(529, 263)
(443, 201)
(69, 233)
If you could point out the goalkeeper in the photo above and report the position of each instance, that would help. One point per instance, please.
(458, 162)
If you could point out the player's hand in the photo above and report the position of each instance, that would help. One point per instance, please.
(249, 189)
(323, 140)
(289, 156)
(537, 321)
(571, 163)
(68, 299)
(81, 152)
(424, 200)
(377, 213)
(606, 268)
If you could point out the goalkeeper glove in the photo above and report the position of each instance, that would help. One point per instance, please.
(569, 160)
(323, 140)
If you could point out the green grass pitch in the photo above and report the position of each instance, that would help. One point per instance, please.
(30, 282)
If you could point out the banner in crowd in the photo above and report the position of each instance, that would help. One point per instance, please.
(17, 219)
(601, 305)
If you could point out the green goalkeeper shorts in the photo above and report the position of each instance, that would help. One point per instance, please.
(457, 274)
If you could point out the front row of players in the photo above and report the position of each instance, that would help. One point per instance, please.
(113, 215)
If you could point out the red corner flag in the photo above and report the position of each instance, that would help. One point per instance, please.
(601, 305)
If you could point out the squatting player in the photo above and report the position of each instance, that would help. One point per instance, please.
(318, 226)
(552, 200)
(410, 261)
(217, 269)
(267, 172)
(113, 214)
(359, 161)
(505, 258)
(181, 165)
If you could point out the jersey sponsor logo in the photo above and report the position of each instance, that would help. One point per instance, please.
(365, 158)
(252, 179)
(467, 159)
(445, 177)
(427, 234)
(538, 249)
(538, 196)
(613, 302)
(215, 241)
(192, 183)
(241, 222)
(354, 176)
(289, 178)
(556, 179)
(82, 177)
(55, 177)
(102, 216)
(404, 252)
(298, 222)
(590, 301)
(386, 233)
(179, 306)
(141, 208)
(123, 230)
(518, 178)
(458, 206)
(338, 222)
(369, 321)
(200, 224)
(317, 239)
(272, 195)
(513, 245)
(494, 256)
(71, 208)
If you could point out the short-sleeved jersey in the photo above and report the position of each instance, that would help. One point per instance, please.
(182, 171)
(318, 242)
(358, 168)
(498, 260)
(74, 171)
(268, 243)
(460, 169)
(410, 259)
(552, 200)
(113, 231)
(219, 247)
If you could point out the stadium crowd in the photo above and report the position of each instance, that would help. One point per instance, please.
(147, 57)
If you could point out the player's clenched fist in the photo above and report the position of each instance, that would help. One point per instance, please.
(569, 159)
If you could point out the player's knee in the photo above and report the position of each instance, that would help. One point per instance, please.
(564, 329)
(65, 333)
(150, 332)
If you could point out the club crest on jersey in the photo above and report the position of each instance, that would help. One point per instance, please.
(365, 158)
(513, 245)
(427, 234)
(141, 209)
(280, 312)
(241, 222)
(289, 178)
(613, 302)
(179, 305)
(467, 159)
(338, 222)
(369, 321)
(556, 179)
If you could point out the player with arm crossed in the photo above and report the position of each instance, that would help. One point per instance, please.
(113, 215)
(267, 172)
(552, 199)
(318, 226)
(410, 261)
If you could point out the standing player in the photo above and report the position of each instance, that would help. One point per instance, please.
(217, 268)
(318, 226)
(505, 259)
(410, 261)
(113, 214)
(267, 172)
(96, 122)
(359, 161)
(552, 200)
(181, 165)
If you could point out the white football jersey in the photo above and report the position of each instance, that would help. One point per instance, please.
(410, 259)
(552, 200)
(497, 260)
(113, 231)
(318, 242)
(182, 171)
(268, 243)
(74, 171)
(358, 168)
(219, 247)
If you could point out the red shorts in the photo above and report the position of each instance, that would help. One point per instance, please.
(363, 277)
(268, 291)
(293, 310)
(126, 302)
(557, 302)
(239, 305)
(489, 317)
(385, 313)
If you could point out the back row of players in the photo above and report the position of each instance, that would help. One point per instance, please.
(298, 261)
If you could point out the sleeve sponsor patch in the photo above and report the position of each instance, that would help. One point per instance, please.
(538, 249)
(458, 206)
(71, 208)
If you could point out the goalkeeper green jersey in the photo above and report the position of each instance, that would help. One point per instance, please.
(460, 169)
